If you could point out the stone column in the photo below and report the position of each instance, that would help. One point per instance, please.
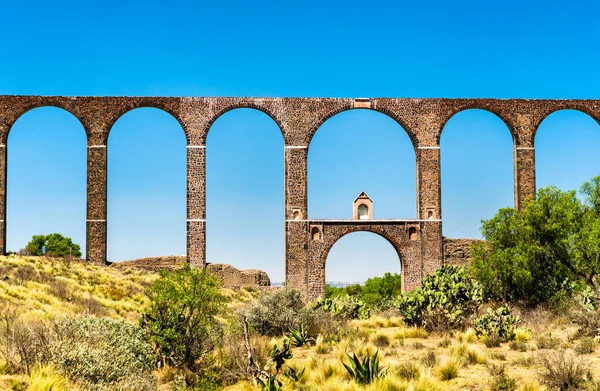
(429, 205)
(524, 166)
(296, 216)
(429, 208)
(3, 199)
(96, 204)
(196, 205)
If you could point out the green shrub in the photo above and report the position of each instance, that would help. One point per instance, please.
(181, 317)
(344, 307)
(447, 299)
(503, 383)
(365, 371)
(492, 341)
(586, 345)
(547, 341)
(276, 312)
(299, 337)
(500, 323)
(102, 353)
(375, 292)
(587, 313)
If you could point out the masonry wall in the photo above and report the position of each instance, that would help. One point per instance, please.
(298, 120)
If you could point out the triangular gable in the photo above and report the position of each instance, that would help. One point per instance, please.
(363, 196)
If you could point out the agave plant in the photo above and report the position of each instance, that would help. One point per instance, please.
(299, 337)
(294, 374)
(270, 384)
(366, 371)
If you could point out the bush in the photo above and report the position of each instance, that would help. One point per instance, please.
(447, 299)
(374, 292)
(500, 380)
(533, 254)
(103, 353)
(547, 341)
(449, 370)
(22, 344)
(562, 370)
(276, 312)
(586, 345)
(181, 317)
(56, 245)
(344, 307)
(587, 313)
(233, 354)
(500, 323)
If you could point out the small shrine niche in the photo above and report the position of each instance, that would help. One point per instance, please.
(412, 233)
(297, 213)
(430, 213)
(315, 233)
(362, 208)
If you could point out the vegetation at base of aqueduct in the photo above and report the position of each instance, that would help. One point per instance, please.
(525, 315)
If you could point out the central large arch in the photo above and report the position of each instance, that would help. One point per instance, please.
(407, 237)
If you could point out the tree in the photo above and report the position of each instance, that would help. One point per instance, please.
(534, 253)
(374, 291)
(181, 317)
(56, 245)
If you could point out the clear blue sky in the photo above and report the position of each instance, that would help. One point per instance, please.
(332, 49)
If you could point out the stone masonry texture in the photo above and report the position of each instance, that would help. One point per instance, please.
(298, 119)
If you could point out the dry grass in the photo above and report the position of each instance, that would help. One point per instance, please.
(413, 359)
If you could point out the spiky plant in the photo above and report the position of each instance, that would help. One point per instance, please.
(365, 371)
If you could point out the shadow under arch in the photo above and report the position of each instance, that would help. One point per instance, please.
(477, 170)
(51, 165)
(361, 150)
(566, 149)
(245, 192)
(146, 185)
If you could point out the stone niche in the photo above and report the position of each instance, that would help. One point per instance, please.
(362, 208)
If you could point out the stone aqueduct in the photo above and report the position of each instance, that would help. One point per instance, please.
(298, 120)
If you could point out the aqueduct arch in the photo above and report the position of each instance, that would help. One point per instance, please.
(298, 119)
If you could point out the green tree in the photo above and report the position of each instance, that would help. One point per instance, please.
(181, 317)
(56, 245)
(374, 291)
(534, 253)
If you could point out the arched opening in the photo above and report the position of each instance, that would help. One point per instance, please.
(316, 233)
(245, 192)
(382, 164)
(566, 150)
(412, 233)
(146, 190)
(358, 256)
(363, 212)
(46, 177)
(477, 171)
